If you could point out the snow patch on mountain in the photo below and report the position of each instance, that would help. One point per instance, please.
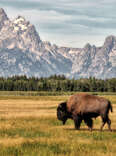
(23, 52)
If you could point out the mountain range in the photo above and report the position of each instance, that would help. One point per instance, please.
(22, 52)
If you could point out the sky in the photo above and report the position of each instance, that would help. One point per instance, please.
(71, 23)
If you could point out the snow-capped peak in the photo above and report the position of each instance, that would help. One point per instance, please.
(3, 17)
(20, 24)
(23, 52)
(3, 14)
(19, 19)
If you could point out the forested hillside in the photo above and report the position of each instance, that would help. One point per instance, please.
(57, 83)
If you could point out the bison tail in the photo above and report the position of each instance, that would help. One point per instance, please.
(110, 106)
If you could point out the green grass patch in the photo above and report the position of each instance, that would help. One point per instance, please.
(34, 149)
(45, 135)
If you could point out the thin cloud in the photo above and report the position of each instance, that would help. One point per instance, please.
(70, 20)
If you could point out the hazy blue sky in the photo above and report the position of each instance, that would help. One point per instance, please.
(67, 22)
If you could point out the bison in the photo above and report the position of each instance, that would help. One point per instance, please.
(84, 106)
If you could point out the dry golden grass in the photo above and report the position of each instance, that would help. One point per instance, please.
(25, 108)
(28, 126)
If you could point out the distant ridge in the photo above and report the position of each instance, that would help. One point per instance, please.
(22, 52)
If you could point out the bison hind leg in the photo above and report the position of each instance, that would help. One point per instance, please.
(104, 120)
(89, 123)
(109, 123)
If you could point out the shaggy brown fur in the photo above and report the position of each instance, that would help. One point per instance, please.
(83, 106)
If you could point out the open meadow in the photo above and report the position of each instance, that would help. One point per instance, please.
(29, 127)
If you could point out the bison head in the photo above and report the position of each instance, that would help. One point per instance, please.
(62, 113)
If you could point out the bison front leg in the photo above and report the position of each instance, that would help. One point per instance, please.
(77, 121)
(89, 123)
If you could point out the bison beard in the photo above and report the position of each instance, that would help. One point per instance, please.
(85, 107)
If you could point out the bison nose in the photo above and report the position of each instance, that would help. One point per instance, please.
(59, 115)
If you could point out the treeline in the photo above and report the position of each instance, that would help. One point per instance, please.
(57, 83)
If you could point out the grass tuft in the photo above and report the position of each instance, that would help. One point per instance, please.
(29, 126)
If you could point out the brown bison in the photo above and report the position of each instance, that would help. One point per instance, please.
(83, 106)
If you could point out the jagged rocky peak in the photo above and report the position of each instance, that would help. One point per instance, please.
(31, 32)
(18, 33)
(55, 46)
(110, 41)
(94, 47)
(20, 24)
(87, 47)
(27, 31)
(23, 52)
(47, 43)
(19, 20)
(3, 17)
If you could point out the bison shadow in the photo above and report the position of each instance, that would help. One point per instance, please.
(86, 129)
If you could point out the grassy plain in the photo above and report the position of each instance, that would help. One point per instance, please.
(29, 127)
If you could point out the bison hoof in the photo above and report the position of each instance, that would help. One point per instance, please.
(90, 129)
(77, 128)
